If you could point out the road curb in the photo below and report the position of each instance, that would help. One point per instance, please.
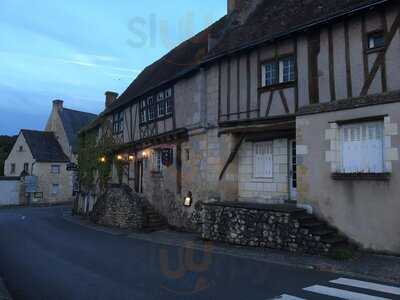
(191, 242)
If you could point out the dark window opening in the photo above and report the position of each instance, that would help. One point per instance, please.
(376, 40)
(118, 122)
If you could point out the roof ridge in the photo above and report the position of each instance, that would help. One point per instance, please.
(79, 111)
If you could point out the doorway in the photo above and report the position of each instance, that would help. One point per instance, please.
(139, 176)
(292, 170)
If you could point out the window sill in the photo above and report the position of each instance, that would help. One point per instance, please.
(362, 176)
(374, 50)
(278, 86)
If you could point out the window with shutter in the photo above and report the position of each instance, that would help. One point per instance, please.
(263, 160)
(362, 148)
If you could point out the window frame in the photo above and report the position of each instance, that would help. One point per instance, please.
(270, 145)
(156, 107)
(364, 142)
(374, 34)
(157, 165)
(118, 122)
(278, 68)
(55, 166)
(26, 167)
(58, 189)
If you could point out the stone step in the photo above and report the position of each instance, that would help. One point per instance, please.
(324, 231)
(313, 224)
(334, 240)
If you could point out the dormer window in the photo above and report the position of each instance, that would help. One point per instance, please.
(279, 71)
(376, 40)
(118, 122)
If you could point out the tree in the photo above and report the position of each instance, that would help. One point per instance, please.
(6, 144)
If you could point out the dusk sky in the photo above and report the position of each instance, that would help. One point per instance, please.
(76, 50)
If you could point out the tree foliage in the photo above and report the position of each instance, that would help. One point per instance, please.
(96, 159)
(6, 144)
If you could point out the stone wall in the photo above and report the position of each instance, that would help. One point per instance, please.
(268, 226)
(120, 207)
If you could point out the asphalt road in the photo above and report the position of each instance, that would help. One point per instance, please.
(43, 256)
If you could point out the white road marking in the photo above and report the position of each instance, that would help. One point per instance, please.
(343, 294)
(288, 297)
(368, 285)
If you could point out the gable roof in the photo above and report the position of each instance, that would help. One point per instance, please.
(44, 146)
(176, 63)
(73, 121)
(272, 19)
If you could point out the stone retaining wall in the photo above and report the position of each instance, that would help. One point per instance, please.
(120, 207)
(269, 226)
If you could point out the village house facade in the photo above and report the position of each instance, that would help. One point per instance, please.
(47, 158)
(279, 102)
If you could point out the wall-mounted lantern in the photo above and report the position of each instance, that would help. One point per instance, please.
(188, 200)
(145, 154)
(120, 157)
(131, 157)
(103, 159)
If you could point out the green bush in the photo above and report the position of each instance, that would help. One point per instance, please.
(342, 254)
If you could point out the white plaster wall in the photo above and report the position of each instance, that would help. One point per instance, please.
(9, 192)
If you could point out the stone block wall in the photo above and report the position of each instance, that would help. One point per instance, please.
(268, 226)
(267, 190)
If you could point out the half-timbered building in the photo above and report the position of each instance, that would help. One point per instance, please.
(278, 102)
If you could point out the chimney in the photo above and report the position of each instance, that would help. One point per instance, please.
(58, 105)
(110, 98)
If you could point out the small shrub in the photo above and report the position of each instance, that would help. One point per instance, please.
(342, 254)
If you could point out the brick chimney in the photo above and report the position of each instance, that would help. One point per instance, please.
(110, 98)
(58, 105)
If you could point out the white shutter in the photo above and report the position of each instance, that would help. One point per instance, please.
(362, 148)
(263, 160)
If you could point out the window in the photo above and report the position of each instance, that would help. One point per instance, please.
(12, 171)
(26, 167)
(21, 148)
(157, 160)
(118, 122)
(280, 71)
(55, 189)
(169, 107)
(156, 107)
(376, 40)
(362, 147)
(168, 93)
(143, 111)
(262, 160)
(271, 73)
(160, 96)
(286, 69)
(152, 108)
(161, 109)
(55, 169)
